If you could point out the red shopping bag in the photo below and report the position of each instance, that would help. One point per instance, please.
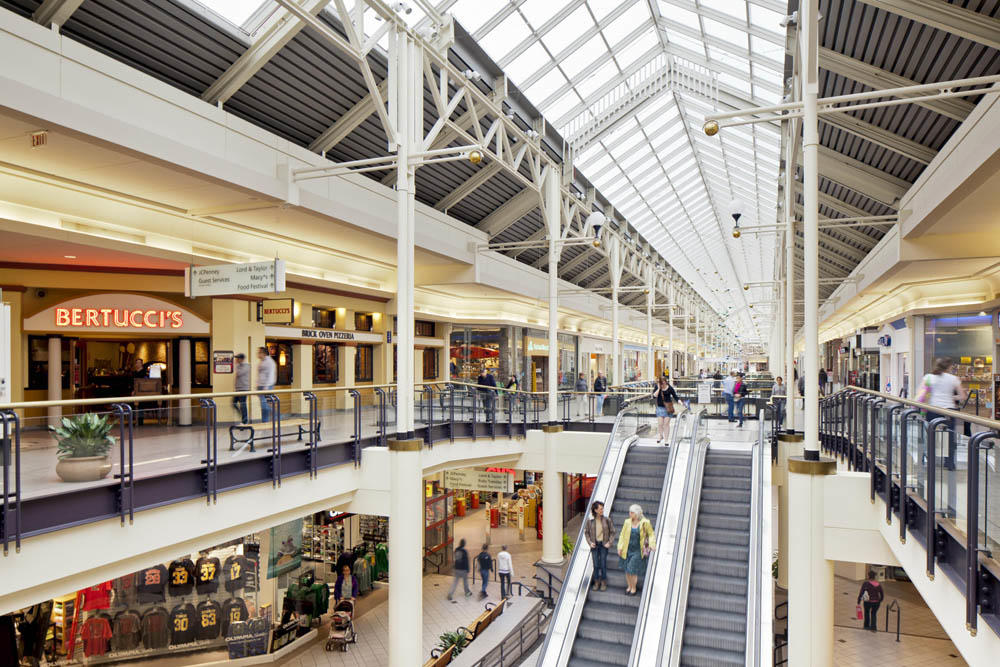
(861, 615)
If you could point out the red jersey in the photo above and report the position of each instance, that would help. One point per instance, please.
(97, 597)
(95, 633)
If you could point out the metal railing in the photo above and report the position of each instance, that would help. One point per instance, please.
(936, 471)
(519, 641)
(166, 447)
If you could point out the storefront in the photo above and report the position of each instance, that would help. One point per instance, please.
(636, 364)
(507, 351)
(969, 339)
(262, 595)
(595, 357)
(894, 342)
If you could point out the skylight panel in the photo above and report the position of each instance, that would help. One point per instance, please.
(568, 30)
(734, 8)
(683, 16)
(725, 32)
(537, 12)
(237, 12)
(577, 61)
(636, 49)
(602, 8)
(742, 85)
(622, 26)
(765, 18)
(741, 64)
(526, 64)
(563, 104)
(472, 14)
(592, 83)
(693, 45)
(511, 32)
(545, 86)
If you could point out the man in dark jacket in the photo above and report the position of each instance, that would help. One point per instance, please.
(460, 570)
(823, 379)
(600, 386)
(485, 562)
(487, 391)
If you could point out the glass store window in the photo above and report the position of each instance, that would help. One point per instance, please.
(324, 318)
(282, 355)
(363, 321)
(968, 340)
(364, 363)
(430, 363)
(476, 348)
(325, 368)
(38, 362)
(423, 328)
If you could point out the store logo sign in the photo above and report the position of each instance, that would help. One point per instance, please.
(118, 318)
(885, 341)
(327, 334)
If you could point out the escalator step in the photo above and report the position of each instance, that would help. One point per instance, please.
(600, 653)
(717, 639)
(638, 494)
(698, 656)
(726, 568)
(721, 482)
(602, 612)
(620, 632)
(724, 508)
(721, 551)
(739, 538)
(575, 661)
(715, 620)
(718, 584)
(714, 470)
(729, 459)
(723, 522)
(647, 469)
(741, 496)
(615, 596)
(735, 604)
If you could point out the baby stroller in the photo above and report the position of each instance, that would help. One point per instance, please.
(342, 626)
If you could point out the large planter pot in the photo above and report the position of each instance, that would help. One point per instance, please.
(84, 469)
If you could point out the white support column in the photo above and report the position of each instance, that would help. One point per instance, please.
(55, 379)
(697, 338)
(184, 381)
(670, 334)
(687, 325)
(810, 223)
(789, 341)
(616, 360)
(552, 499)
(405, 467)
(553, 213)
(650, 361)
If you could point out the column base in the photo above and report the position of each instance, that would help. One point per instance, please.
(806, 466)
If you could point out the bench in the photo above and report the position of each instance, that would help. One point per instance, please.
(483, 621)
(439, 660)
(245, 434)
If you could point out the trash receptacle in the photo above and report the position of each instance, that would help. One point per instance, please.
(612, 405)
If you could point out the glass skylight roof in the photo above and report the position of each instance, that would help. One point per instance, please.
(674, 183)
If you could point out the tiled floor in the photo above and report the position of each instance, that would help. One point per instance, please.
(860, 648)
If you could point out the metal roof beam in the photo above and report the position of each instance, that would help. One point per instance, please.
(513, 210)
(568, 267)
(946, 16)
(347, 123)
(876, 78)
(282, 28)
(880, 137)
(469, 186)
(55, 12)
(860, 177)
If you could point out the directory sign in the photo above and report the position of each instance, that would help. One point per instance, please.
(223, 279)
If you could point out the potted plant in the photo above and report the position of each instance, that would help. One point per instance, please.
(84, 443)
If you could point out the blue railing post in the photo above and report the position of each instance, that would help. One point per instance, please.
(313, 442)
(451, 413)
(356, 436)
(872, 448)
(972, 531)
(904, 441)
(888, 461)
(126, 481)
(275, 451)
(11, 497)
(931, 526)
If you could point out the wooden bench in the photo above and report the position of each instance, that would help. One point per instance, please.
(440, 660)
(246, 434)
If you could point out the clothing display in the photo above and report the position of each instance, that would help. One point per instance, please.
(155, 629)
(233, 611)
(209, 619)
(182, 624)
(126, 591)
(207, 575)
(97, 597)
(152, 585)
(126, 631)
(235, 572)
(181, 577)
(96, 636)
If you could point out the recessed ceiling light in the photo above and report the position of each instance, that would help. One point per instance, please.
(70, 256)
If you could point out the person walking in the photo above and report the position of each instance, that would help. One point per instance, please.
(742, 394)
(267, 375)
(460, 570)
(485, 562)
(871, 594)
(664, 395)
(598, 532)
(600, 387)
(727, 392)
(941, 389)
(635, 542)
(241, 383)
(581, 397)
(487, 391)
(779, 392)
(347, 586)
(505, 570)
(823, 379)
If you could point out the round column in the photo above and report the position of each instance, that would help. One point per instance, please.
(184, 381)
(55, 379)
(552, 497)
(789, 444)
(406, 540)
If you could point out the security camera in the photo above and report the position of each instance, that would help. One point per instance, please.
(791, 19)
(402, 8)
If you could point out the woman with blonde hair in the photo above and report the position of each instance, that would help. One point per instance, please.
(635, 542)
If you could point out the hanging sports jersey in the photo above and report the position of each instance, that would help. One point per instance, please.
(126, 593)
(180, 577)
(206, 574)
(155, 628)
(233, 611)
(235, 572)
(209, 620)
(97, 597)
(152, 584)
(183, 622)
(127, 630)
(96, 635)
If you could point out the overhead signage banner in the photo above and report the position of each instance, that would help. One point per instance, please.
(223, 279)
(116, 313)
(331, 335)
(479, 480)
(277, 311)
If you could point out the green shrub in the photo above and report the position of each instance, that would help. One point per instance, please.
(567, 545)
(457, 640)
(84, 435)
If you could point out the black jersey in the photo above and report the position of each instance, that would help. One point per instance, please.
(233, 611)
(152, 584)
(206, 575)
(183, 622)
(156, 628)
(235, 572)
(180, 577)
(209, 619)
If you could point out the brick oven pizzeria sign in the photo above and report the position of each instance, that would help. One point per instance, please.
(116, 313)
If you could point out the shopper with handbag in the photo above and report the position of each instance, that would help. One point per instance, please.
(664, 395)
(871, 595)
(598, 532)
(635, 542)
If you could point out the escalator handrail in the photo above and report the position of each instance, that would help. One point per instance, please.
(580, 560)
(665, 548)
(756, 584)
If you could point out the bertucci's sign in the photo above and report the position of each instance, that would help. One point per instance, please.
(120, 318)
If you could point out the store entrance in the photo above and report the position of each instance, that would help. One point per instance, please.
(539, 373)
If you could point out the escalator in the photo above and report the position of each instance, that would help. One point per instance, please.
(716, 618)
(608, 620)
